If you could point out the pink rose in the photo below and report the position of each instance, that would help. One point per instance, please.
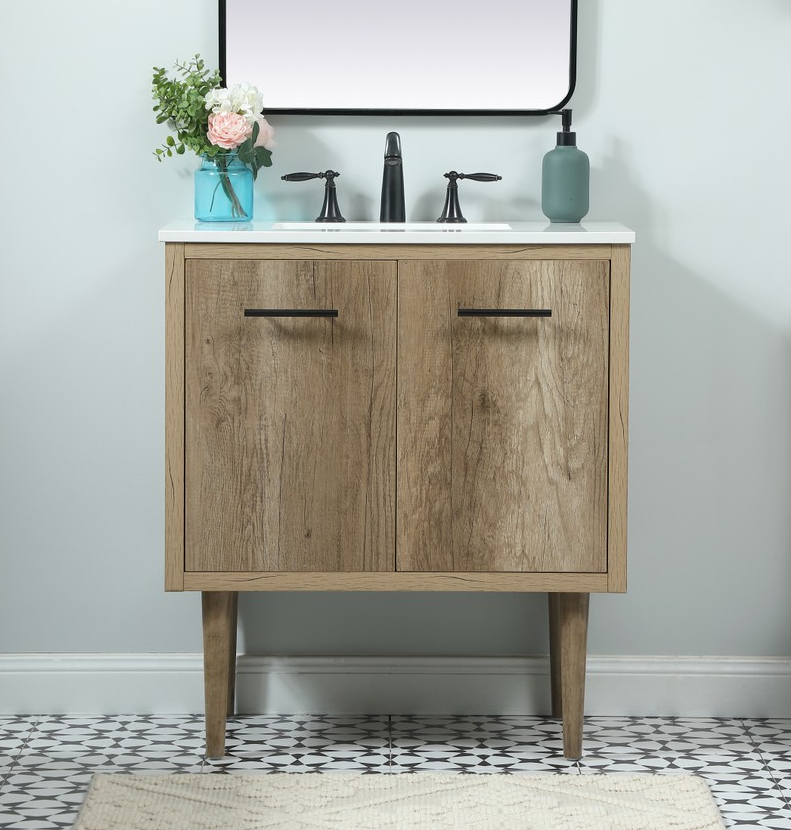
(265, 135)
(228, 130)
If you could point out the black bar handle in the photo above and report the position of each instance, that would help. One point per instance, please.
(291, 312)
(505, 312)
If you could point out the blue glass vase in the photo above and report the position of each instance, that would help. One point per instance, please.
(223, 189)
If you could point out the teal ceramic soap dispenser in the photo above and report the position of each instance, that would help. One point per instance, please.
(565, 178)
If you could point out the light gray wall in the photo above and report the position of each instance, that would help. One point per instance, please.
(684, 110)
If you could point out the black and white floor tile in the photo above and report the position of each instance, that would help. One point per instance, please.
(504, 744)
(306, 743)
(47, 761)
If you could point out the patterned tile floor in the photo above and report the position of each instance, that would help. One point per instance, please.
(46, 761)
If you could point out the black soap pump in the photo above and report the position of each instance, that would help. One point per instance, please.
(565, 178)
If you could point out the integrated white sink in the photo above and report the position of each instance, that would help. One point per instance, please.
(401, 233)
(395, 227)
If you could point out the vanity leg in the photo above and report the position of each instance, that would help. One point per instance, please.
(219, 636)
(572, 637)
(554, 655)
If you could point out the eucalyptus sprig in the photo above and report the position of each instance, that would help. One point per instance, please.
(182, 104)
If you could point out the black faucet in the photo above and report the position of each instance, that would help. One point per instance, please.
(330, 212)
(393, 209)
(452, 210)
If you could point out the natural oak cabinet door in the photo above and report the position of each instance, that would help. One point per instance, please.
(290, 421)
(502, 420)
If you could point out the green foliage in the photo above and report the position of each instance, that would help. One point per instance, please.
(181, 104)
(256, 157)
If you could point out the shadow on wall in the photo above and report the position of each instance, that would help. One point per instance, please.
(710, 454)
(401, 624)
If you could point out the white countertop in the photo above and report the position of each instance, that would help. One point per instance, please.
(421, 233)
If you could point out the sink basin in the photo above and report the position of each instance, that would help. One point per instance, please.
(395, 227)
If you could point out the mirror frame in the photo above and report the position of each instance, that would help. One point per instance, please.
(432, 112)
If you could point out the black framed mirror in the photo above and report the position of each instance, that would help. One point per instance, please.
(412, 57)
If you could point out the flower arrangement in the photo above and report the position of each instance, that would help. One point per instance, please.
(212, 121)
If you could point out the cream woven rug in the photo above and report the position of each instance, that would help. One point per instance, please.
(418, 801)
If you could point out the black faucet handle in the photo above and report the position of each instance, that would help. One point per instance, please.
(451, 212)
(330, 212)
(303, 177)
(300, 177)
(476, 177)
(481, 177)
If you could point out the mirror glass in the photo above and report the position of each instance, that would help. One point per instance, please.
(405, 57)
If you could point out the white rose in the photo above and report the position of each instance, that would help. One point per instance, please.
(246, 100)
(243, 99)
(218, 100)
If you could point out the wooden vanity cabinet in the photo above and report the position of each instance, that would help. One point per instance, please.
(399, 418)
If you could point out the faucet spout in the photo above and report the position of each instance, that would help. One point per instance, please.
(392, 206)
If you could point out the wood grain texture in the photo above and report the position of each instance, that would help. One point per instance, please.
(502, 423)
(217, 250)
(399, 581)
(174, 417)
(572, 639)
(290, 447)
(219, 639)
(618, 417)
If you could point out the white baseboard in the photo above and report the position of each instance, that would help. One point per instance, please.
(173, 683)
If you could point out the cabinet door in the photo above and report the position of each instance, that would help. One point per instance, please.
(290, 421)
(502, 421)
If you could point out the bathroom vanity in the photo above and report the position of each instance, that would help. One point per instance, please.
(414, 408)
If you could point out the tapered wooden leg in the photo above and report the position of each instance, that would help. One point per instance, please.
(219, 636)
(554, 656)
(571, 645)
